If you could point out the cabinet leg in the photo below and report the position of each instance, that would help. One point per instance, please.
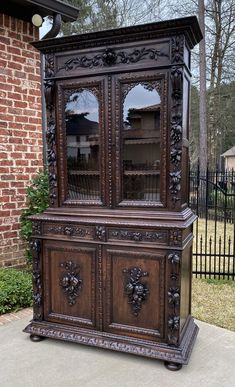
(36, 338)
(172, 366)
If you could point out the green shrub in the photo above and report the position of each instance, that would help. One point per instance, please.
(15, 290)
(37, 201)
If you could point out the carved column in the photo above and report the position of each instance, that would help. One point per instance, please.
(49, 89)
(37, 280)
(173, 298)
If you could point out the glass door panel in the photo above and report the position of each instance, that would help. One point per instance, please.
(83, 145)
(141, 142)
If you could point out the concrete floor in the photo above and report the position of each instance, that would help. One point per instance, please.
(52, 363)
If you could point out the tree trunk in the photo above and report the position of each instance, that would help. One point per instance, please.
(203, 114)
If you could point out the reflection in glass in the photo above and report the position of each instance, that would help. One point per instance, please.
(82, 132)
(141, 144)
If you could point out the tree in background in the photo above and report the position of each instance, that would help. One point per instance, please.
(97, 15)
(219, 17)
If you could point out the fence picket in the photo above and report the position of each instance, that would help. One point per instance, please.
(212, 198)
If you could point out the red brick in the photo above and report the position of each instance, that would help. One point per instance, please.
(5, 228)
(9, 206)
(12, 234)
(20, 104)
(5, 41)
(7, 177)
(15, 51)
(7, 162)
(16, 155)
(21, 119)
(22, 162)
(6, 87)
(14, 96)
(6, 102)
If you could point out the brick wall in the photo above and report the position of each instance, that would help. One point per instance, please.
(20, 129)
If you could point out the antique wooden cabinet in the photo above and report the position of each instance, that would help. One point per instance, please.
(112, 254)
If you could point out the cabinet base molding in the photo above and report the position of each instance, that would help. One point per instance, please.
(173, 356)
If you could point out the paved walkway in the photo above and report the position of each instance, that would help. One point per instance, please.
(52, 363)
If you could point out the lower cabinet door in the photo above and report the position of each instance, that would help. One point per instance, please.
(134, 293)
(69, 278)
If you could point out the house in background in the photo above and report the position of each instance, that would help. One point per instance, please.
(229, 159)
(21, 147)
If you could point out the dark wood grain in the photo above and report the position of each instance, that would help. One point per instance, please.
(113, 270)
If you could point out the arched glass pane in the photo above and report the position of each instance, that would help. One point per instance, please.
(141, 144)
(82, 132)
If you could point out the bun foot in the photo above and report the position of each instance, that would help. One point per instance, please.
(172, 366)
(36, 338)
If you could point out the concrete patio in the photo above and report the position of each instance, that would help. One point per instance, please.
(52, 363)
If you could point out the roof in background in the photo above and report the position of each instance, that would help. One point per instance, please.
(229, 152)
(25, 9)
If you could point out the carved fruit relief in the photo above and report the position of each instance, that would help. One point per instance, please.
(135, 289)
(70, 281)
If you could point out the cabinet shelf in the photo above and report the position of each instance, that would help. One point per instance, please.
(84, 173)
(142, 173)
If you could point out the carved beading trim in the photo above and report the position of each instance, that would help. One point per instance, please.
(110, 182)
(162, 352)
(140, 236)
(100, 289)
(176, 133)
(173, 295)
(177, 49)
(70, 281)
(37, 280)
(110, 57)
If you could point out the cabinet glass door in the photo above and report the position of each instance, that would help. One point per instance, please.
(82, 121)
(141, 152)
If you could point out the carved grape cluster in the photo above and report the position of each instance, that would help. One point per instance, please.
(136, 291)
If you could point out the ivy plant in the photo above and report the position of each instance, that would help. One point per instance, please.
(37, 201)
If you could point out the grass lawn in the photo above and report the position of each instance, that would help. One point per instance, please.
(214, 231)
(220, 241)
(214, 302)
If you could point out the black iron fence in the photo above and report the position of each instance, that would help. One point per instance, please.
(212, 198)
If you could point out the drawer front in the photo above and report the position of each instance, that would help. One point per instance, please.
(68, 230)
(70, 285)
(134, 293)
(138, 236)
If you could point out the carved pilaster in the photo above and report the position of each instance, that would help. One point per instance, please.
(173, 298)
(49, 87)
(176, 132)
(49, 66)
(37, 280)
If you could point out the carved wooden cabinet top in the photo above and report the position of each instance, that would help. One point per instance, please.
(118, 116)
